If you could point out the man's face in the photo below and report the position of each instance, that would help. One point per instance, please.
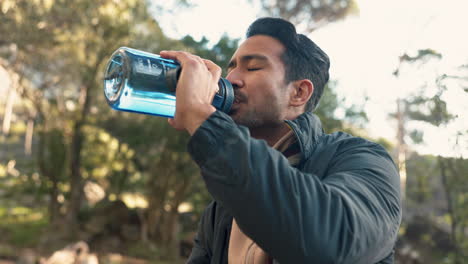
(257, 74)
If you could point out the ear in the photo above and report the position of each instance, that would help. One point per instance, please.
(301, 92)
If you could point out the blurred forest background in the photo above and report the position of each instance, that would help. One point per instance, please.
(72, 169)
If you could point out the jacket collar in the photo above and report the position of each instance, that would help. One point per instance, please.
(308, 129)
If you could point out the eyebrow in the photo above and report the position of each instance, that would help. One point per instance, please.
(247, 58)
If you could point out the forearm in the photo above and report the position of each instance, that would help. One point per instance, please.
(289, 213)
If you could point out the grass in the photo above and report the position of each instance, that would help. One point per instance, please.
(21, 227)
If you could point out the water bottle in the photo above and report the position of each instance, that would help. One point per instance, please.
(142, 82)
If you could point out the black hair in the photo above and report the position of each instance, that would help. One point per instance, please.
(302, 58)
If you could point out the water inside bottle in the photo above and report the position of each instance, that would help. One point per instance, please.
(141, 82)
(136, 90)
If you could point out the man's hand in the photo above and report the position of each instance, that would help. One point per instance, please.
(197, 85)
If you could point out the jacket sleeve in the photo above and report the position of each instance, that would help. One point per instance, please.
(201, 251)
(350, 215)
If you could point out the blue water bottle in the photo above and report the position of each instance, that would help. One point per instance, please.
(142, 82)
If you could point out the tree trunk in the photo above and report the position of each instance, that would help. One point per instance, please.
(158, 188)
(169, 226)
(401, 147)
(10, 100)
(28, 137)
(54, 206)
(169, 234)
(76, 178)
(450, 209)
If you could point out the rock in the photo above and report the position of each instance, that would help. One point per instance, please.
(27, 256)
(77, 253)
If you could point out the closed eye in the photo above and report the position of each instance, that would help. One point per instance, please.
(253, 69)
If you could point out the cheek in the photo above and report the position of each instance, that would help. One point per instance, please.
(268, 101)
(266, 90)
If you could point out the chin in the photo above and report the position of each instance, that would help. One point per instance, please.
(234, 112)
(236, 117)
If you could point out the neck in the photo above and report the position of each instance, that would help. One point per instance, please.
(270, 134)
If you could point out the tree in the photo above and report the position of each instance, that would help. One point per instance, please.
(59, 56)
(330, 103)
(429, 106)
(220, 53)
(79, 138)
(310, 14)
(58, 59)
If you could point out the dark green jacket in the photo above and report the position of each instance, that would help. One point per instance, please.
(341, 204)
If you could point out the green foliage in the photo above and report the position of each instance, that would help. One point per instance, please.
(220, 53)
(144, 250)
(432, 110)
(423, 170)
(453, 173)
(432, 180)
(417, 136)
(59, 50)
(330, 104)
(312, 14)
(21, 227)
(429, 106)
(389, 146)
(421, 55)
(59, 57)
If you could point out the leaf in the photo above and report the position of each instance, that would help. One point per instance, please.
(422, 54)
(312, 14)
(417, 136)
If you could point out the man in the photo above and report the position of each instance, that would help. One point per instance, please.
(284, 191)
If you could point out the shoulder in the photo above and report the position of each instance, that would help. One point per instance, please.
(341, 143)
(341, 151)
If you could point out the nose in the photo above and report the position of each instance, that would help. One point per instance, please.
(235, 79)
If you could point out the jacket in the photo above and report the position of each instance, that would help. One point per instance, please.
(340, 204)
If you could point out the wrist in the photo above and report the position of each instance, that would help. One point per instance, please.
(196, 118)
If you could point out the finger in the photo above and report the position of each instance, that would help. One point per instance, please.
(214, 69)
(170, 121)
(173, 124)
(181, 56)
